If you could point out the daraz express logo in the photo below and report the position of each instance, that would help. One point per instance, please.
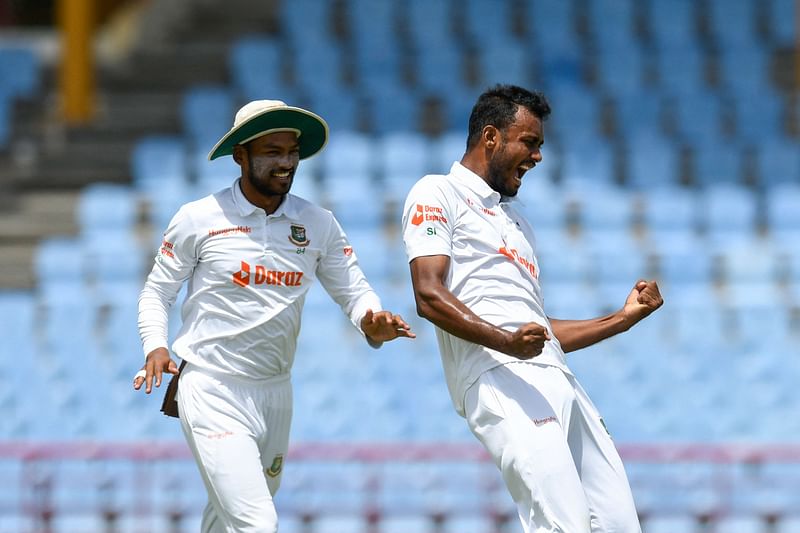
(261, 276)
(430, 213)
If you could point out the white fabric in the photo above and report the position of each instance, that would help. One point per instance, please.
(493, 267)
(238, 431)
(550, 443)
(248, 274)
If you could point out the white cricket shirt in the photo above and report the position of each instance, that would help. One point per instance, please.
(248, 274)
(493, 268)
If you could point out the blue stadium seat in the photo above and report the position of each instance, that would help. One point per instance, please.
(543, 205)
(621, 70)
(256, 70)
(59, 259)
(553, 27)
(586, 162)
(19, 71)
(717, 162)
(782, 211)
(670, 524)
(749, 262)
(576, 112)
(652, 161)
(778, 161)
(107, 209)
(782, 18)
(407, 524)
(733, 23)
(339, 106)
(612, 23)
(669, 209)
(207, 114)
(684, 266)
(604, 208)
(637, 113)
(504, 61)
(446, 149)
(729, 212)
(698, 114)
(763, 120)
(348, 152)
(393, 109)
(211, 176)
(681, 70)
(403, 153)
(157, 160)
(673, 22)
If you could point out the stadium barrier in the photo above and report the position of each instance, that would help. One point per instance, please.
(107, 483)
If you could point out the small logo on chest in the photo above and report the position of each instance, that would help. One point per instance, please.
(298, 235)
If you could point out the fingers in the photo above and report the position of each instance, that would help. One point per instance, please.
(138, 379)
(650, 295)
(368, 316)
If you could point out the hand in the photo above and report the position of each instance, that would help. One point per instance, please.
(528, 341)
(384, 326)
(643, 300)
(158, 361)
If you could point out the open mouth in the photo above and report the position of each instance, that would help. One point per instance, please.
(284, 176)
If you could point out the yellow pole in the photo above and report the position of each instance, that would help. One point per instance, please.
(76, 22)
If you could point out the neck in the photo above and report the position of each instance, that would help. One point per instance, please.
(476, 164)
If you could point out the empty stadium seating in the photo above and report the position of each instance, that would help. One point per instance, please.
(668, 162)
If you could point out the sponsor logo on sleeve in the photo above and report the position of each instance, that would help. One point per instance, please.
(298, 235)
(260, 275)
(276, 467)
(348, 251)
(166, 249)
(428, 213)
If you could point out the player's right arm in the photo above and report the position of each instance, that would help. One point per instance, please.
(429, 243)
(436, 303)
(173, 265)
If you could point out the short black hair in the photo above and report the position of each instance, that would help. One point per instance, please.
(497, 106)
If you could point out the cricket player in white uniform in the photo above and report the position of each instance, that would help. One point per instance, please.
(476, 278)
(249, 254)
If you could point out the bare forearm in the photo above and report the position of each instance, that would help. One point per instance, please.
(576, 334)
(450, 314)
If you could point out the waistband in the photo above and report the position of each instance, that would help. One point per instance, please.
(245, 380)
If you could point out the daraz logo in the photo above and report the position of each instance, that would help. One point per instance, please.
(431, 213)
(262, 276)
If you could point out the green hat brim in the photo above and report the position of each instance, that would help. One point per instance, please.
(313, 130)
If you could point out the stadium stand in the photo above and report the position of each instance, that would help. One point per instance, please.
(669, 155)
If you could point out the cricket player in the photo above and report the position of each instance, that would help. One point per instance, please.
(476, 278)
(249, 253)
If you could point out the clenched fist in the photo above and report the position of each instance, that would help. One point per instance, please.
(528, 341)
(643, 300)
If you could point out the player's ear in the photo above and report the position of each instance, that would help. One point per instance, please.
(490, 136)
(239, 152)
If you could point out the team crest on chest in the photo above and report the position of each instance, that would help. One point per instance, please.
(298, 236)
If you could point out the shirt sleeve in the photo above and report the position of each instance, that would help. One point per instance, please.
(428, 219)
(341, 276)
(174, 264)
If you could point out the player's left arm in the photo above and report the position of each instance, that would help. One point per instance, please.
(576, 334)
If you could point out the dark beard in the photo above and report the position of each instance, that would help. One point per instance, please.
(496, 175)
(262, 186)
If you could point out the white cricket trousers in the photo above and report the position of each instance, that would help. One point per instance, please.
(238, 431)
(553, 450)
